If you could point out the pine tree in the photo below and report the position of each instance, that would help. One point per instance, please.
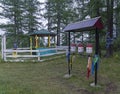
(22, 15)
(109, 51)
(32, 15)
(12, 10)
(58, 14)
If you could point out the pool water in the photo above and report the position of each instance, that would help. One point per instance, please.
(48, 51)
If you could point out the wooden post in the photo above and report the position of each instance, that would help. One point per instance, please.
(4, 47)
(69, 70)
(54, 42)
(96, 52)
(39, 56)
(40, 41)
(36, 41)
(49, 41)
(31, 44)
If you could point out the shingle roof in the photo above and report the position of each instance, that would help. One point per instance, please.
(84, 25)
(42, 32)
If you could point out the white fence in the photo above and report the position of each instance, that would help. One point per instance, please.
(22, 54)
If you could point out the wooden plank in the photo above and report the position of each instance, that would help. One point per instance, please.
(22, 56)
(8, 51)
(52, 54)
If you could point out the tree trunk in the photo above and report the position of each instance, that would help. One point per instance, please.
(74, 37)
(58, 25)
(98, 14)
(109, 49)
(58, 30)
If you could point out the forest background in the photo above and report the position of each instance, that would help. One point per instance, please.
(25, 16)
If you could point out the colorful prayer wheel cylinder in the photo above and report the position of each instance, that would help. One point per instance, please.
(73, 47)
(80, 48)
(89, 48)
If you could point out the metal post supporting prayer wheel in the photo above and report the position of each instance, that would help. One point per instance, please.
(96, 52)
(69, 70)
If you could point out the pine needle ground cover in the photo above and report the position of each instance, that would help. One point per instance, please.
(48, 77)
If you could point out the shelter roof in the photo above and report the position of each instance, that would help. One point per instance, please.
(42, 32)
(84, 25)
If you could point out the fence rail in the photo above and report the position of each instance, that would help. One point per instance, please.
(25, 53)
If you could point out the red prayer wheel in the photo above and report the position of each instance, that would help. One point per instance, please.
(80, 48)
(89, 48)
(73, 47)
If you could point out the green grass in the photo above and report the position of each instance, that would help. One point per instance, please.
(48, 77)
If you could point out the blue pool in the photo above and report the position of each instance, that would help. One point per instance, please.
(47, 51)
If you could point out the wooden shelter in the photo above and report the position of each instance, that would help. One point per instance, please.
(41, 33)
(85, 25)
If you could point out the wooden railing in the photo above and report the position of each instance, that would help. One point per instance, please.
(21, 54)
